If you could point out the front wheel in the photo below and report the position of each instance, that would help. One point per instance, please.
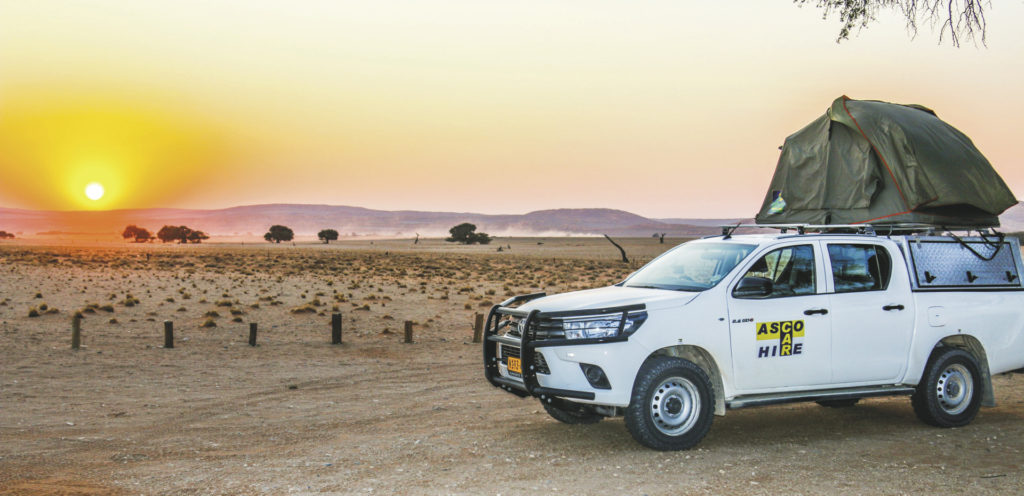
(949, 394)
(672, 404)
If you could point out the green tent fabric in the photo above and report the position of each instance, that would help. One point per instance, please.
(883, 163)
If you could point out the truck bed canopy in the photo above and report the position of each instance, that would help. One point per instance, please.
(883, 163)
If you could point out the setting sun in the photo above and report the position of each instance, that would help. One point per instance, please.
(94, 191)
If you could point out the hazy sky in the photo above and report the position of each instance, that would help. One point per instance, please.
(663, 108)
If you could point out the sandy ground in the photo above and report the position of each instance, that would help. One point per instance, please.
(296, 415)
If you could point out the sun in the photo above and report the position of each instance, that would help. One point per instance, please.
(94, 191)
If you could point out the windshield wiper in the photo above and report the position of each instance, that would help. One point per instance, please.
(690, 288)
(645, 286)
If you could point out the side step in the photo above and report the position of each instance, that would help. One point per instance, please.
(817, 395)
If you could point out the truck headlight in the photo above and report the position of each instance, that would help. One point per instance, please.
(602, 326)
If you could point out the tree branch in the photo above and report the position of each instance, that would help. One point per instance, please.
(623, 252)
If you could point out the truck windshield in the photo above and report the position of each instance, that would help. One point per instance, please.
(690, 267)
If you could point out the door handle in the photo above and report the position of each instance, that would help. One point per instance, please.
(813, 311)
(892, 307)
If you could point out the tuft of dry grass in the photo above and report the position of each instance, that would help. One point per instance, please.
(307, 308)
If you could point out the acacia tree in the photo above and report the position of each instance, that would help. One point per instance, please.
(180, 234)
(466, 234)
(327, 235)
(279, 233)
(136, 233)
(197, 236)
(960, 18)
(6, 235)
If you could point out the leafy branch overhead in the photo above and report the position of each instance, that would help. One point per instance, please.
(961, 19)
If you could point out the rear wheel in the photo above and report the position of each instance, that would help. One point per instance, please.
(949, 394)
(672, 404)
(845, 403)
(571, 413)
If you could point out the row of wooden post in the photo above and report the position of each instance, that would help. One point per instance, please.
(76, 331)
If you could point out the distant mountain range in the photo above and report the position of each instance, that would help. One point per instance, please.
(307, 220)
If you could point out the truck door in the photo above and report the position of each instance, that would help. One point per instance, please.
(872, 318)
(780, 338)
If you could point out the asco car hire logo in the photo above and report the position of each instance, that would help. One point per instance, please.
(783, 333)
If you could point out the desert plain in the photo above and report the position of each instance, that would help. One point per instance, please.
(298, 415)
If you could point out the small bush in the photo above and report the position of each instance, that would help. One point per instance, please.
(304, 309)
(209, 323)
(211, 314)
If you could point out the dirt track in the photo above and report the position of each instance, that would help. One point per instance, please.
(297, 415)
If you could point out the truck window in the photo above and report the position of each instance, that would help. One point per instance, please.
(859, 267)
(694, 266)
(791, 270)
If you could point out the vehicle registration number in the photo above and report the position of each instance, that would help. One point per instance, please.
(515, 365)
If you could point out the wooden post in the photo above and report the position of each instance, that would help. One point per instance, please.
(408, 331)
(252, 334)
(336, 328)
(478, 328)
(76, 331)
(168, 334)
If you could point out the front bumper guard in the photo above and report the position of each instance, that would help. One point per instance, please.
(529, 385)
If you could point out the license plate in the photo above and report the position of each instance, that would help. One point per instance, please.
(515, 365)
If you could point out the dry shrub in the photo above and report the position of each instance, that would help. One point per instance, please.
(304, 309)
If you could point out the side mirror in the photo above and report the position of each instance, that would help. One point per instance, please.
(753, 287)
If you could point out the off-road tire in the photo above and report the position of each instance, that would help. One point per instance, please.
(844, 403)
(568, 412)
(949, 394)
(672, 404)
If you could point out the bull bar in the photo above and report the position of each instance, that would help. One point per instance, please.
(529, 385)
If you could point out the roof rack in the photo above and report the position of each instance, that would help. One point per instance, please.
(867, 229)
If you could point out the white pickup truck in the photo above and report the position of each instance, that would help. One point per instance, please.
(802, 314)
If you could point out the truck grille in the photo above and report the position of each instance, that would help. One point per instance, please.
(509, 351)
(539, 363)
(538, 331)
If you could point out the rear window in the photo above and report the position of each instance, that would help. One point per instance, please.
(859, 267)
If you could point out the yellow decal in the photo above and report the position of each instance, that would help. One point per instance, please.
(773, 330)
(783, 331)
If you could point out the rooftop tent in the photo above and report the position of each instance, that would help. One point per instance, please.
(883, 163)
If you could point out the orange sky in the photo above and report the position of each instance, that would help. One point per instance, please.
(663, 108)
